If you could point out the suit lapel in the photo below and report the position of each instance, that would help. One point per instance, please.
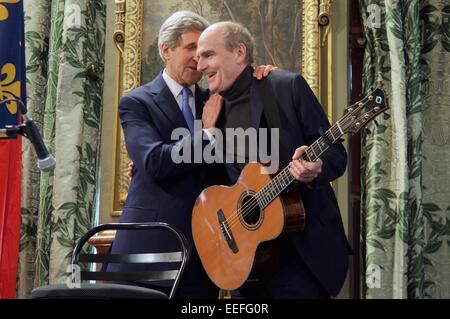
(201, 96)
(166, 102)
(256, 104)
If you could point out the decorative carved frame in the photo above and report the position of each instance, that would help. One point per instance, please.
(316, 24)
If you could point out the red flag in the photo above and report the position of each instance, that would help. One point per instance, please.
(12, 85)
(10, 185)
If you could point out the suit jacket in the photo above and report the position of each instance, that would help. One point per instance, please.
(160, 189)
(322, 245)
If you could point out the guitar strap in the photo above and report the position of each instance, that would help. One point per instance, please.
(272, 117)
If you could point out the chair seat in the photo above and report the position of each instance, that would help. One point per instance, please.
(96, 291)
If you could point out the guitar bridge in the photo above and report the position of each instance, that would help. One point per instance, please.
(226, 231)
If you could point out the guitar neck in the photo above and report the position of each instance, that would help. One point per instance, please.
(284, 178)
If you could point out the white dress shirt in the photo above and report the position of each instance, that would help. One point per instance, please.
(176, 88)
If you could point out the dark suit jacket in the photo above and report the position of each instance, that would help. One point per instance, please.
(323, 245)
(160, 189)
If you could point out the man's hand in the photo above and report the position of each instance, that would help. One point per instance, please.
(262, 71)
(130, 171)
(302, 170)
(211, 111)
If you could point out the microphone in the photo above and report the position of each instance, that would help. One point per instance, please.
(46, 162)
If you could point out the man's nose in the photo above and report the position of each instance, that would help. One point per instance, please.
(200, 64)
(195, 58)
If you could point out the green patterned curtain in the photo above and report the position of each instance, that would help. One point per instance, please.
(63, 40)
(406, 158)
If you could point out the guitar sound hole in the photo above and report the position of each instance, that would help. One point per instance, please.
(250, 212)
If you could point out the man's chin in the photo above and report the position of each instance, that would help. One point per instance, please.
(193, 79)
(213, 90)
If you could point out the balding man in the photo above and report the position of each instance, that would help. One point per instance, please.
(313, 263)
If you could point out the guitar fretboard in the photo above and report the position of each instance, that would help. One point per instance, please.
(283, 179)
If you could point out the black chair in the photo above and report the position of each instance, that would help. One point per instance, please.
(105, 290)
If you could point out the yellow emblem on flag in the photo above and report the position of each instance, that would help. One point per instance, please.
(8, 87)
(3, 10)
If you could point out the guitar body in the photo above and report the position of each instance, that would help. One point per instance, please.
(228, 225)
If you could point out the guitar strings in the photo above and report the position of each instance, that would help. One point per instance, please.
(254, 202)
(249, 207)
(234, 217)
(247, 210)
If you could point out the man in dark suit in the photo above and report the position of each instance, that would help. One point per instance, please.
(313, 263)
(162, 189)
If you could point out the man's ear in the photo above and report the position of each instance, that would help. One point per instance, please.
(165, 51)
(241, 51)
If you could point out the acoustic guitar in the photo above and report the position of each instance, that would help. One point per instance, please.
(228, 223)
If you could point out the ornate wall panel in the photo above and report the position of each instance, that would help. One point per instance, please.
(287, 33)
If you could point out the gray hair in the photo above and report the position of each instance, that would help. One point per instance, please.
(236, 33)
(178, 23)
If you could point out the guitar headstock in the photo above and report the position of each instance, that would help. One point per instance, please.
(359, 114)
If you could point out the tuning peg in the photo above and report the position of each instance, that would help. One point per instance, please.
(386, 116)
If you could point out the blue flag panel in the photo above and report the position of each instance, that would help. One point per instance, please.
(12, 60)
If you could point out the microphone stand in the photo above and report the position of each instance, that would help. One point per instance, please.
(46, 162)
(14, 130)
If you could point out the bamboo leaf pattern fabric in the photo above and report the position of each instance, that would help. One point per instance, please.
(63, 39)
(405, 159)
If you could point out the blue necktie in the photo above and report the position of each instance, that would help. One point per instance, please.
(186, 109)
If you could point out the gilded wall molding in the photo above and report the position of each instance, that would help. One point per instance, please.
(326, 23)
(325, 19)
(119, 25)
(133, 45)
(310, 45)
(324, 12)
(131, 80)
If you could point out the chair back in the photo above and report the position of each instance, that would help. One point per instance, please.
(180, 258)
